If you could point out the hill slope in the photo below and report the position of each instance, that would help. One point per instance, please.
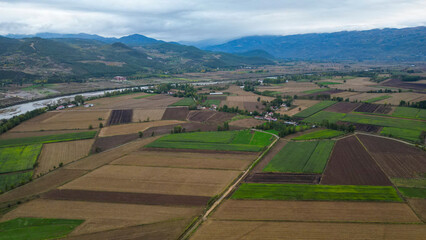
(407, 44)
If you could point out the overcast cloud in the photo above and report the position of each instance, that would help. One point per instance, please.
(184, 20)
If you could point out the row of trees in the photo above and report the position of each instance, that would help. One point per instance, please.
(14, 121)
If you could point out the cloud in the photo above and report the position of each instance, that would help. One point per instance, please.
(185, 20)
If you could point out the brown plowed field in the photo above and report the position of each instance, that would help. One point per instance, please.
(249, 230)
(383, 109)
(65, 120)
(11, 135)
(283, 178)
(200, 116)
(254, 106)
(100, 216)
(129, 102)
(186, 160)
(419, 205)
(216, 97)
(176, 181)
(42, 184)
(163, 230)
(105, 143)
(350, 164)
(307, 211)
(126, 197)
(407, 85)
(343, 107)
(395, 158)
(247, 123)
(176, 113)
(363, 127)
(133, 128)
(140, 115)
(53, 154)
(220, 117)
(120, 116)
(96, 160)
(367, 107)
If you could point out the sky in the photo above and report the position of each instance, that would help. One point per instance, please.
(195, 20)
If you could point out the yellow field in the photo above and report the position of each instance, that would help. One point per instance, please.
(140, 115)
(66, 120)
(53, 154)
(176, 181)
(358, 84)
(134, 127)
(300, 230)
(186, 160)
(99, 216)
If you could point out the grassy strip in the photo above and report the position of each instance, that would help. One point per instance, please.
(37, 228)
(9, 181)
(203, 137)
(210, 102)
(316, 192)
(19, 158)
(206, 146)
(409, 182)
(376, 99)
(47, 139)
(404, 134)
(321, 134)
(316, 90)
(314, 109)
(412, 192)
(145, 96)
(301, 157)
(327, 83)
(184, 102)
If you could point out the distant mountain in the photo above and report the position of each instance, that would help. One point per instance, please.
(407, 44)
(76, 59)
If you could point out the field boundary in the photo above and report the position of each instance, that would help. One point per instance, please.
(231, 188)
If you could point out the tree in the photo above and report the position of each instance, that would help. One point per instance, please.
(140, 134)
(90, 126)
(101, 125)
(79, 99)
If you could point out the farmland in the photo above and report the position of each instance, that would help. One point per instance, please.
(147, 115)
(412, 192)
(321, 134)
(314, 109)
(407, 112)
(376, 99)
(20, 158)
(120, 116)
(134, 127)
(405, 134)
(11, 180)
(184, 102)
(316, 90)
(301, 157)
(47, 139)
(176, 113)
(37, 228)
(316, 192)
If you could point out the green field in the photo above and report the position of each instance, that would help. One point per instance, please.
(37, 228)
(316, 192)
(316, 90)
(321, 134)
(221, 141)
(210, 102)
(376, 99)
(301, 157)
(409, 182)
(19, 158)
(405, 134)
(145, 96)
(184, 102)
(412, 192)
(12, 180)
(367, 119)
(239, 117)
(408, 112)
(314, 109)
(327, 83)
(47, 139)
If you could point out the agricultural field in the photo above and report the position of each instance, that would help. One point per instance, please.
(331, 117)
(408, 112)
(290, 88)
(376, 99)
(176, 113)
(314, 109)
(184, 102)
(412, 192)
(342, 107)
(133, 128)
(120, 116)
(12, 180)
(300, 104)
(405, 96)
(404, 134)
(301, 157)
(320, 134)
(47, 139)
(316, 90)
(410, 182)
(37, 228)
(247, 123)
(144, 96)
(326, 83)
(55, 154)
(360, 84)
(316, 192)
(140, 115)
(20, 158)
(219, 141)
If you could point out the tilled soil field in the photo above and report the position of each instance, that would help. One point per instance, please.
(401, 84)
(383, 109)
(140, 115)
(329, 92)
(363, 127)
(126, 197)
(395, 158)
(220, 117)
(175, 113)
(200, 116)
(350, 164)
(307, 211)
(133, 128)
(247, 123)
(367, 107)
(221, 229)
(120, 116)
(342, 107)
(254, 106)
(283, 178)
(105, 143)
